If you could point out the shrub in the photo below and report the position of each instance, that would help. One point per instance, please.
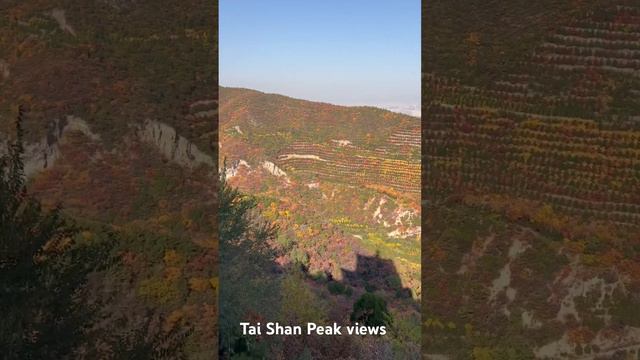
(371, 310)
(337, 288)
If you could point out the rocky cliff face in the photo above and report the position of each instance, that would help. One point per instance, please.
(172, 145)
(42, 155)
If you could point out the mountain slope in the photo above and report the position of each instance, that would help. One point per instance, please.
(342, 186)
(120, 130)
(536, 162)
(352, 164)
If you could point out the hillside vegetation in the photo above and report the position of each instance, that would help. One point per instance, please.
(532, 150)
(120, 109)
(341, 184)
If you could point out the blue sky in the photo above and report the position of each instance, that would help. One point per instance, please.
(349, 52)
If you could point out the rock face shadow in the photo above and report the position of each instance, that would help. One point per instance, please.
(376, 273)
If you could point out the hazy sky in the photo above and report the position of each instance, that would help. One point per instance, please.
(350, 52)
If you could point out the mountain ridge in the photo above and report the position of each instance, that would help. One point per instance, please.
(319, 102)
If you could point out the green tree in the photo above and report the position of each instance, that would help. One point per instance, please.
(299, 303)
(247, 267)
(43, 268)
(371, 310)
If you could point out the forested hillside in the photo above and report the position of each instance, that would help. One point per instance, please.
(532, 152)
(119, 111)
(340, 186)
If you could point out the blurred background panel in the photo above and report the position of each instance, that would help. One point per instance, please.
(113, 252)
(531, 158)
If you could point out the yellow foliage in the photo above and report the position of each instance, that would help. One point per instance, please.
(214, 281)
(171, 320)
(158, 290)
(57, 245)
(434, 323)
(172, 273)
(172, 258)
(547, 216)
(271, 212)
(468, 329)
(196, 34)
(341, 220)
(198, 284)
(384, 189)
(164, 219)
(482, 353)
(590, 260)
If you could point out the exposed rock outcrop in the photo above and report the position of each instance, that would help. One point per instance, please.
(174, 147)
(42, 154)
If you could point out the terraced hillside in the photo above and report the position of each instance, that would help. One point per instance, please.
(539, 160)
(360, 166)
(564, 125)
(342, 186)
(344, 144)
(120, 104)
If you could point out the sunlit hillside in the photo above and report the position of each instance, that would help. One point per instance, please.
(342, 184)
